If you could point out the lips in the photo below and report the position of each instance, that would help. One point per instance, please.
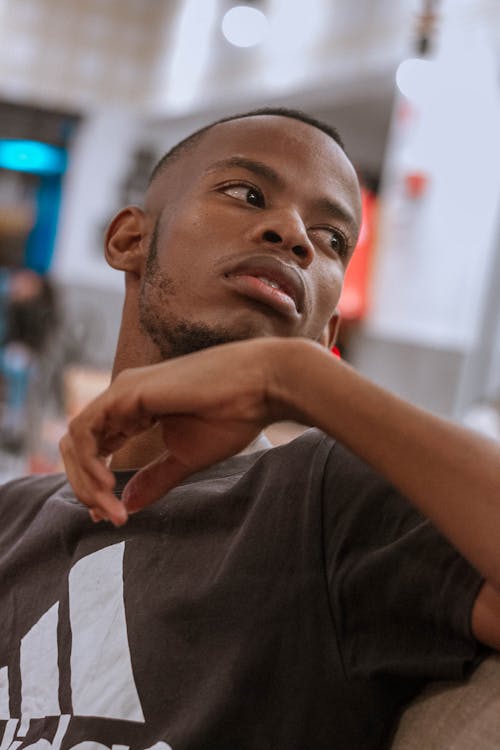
(269, 280)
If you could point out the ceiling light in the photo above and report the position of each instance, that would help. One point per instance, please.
(414, 78)
(244, 26)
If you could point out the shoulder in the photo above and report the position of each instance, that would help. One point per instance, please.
(306, 455)
(23, 497)
(486, 616)
(40, 485)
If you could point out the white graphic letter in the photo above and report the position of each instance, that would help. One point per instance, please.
(102, 680)
(58, 737)
(4, 694)
(39, 672)
(8, 735)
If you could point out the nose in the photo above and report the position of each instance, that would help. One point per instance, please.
(285, 230)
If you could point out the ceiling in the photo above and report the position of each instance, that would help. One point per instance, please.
(165, 59)
(169, 57)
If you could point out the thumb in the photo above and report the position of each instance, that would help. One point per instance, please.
(153, 481)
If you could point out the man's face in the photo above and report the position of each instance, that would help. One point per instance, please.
(250, 236)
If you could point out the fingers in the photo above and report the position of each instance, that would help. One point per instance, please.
(90, 477)
(153, 481)
(99, 430)
(193, 445)
(96, 515)
(204, 418)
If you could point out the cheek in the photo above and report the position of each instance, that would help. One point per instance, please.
(326, 298)
(329, 290)
(180, 244)
(194, 234)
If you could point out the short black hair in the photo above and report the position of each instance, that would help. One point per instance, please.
(191, 140)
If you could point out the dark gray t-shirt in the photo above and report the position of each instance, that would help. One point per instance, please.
(280, 600)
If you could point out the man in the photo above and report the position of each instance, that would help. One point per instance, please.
(282, 597)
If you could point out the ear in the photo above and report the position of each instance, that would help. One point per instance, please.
(330, 331)
(124, 242)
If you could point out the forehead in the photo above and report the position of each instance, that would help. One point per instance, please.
(304, 156)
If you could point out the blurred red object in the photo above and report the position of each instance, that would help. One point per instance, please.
(354, 301)
(416, 184)
(336, 352)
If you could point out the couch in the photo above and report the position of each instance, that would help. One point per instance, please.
(455, 716)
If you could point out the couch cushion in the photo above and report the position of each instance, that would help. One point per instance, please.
(451, 716)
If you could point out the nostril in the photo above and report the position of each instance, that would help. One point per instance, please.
(271, 236)
(299, 251)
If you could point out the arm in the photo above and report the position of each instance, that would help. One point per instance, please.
(450, 474)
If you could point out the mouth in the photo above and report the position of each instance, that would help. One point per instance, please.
(270, 281)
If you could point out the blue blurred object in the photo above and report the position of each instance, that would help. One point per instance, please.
(49, 162)
(4, 302)
(40, 244)
(32, 156)
(16, 370)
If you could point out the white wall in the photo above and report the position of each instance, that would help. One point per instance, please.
(435, 251)
(98, 159)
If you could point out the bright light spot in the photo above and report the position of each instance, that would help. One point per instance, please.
(244, 26)
(414, 78)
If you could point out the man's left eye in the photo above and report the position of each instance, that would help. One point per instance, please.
(248, 193)
(335, 239)
(338, 243)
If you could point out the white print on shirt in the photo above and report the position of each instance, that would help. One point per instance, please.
(9, 743)
(102, 681)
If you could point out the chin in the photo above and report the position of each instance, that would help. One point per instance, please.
(186, 337)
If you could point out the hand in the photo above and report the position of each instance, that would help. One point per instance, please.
(208, 406)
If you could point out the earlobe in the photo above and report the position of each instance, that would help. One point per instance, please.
(124, 246)
(330, 331)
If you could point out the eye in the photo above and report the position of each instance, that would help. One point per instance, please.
(335, 239)
(339, 243)
(248, 193)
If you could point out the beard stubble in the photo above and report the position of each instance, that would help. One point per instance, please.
(172, 335)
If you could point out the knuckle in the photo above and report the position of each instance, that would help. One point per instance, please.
(73, 429)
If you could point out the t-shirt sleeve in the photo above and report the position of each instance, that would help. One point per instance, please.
(401, 595)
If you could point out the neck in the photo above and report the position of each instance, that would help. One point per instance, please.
(134, 349)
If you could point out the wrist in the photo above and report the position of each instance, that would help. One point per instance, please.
(294, 364)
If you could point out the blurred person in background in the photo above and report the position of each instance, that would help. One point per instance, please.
(32, 316)
(30, 324)
(244, 595)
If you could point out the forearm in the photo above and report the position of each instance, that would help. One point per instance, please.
(450, 474)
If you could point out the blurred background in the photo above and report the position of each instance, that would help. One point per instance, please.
(93, 92)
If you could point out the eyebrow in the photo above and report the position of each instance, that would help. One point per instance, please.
(337, 211)
(257, 167)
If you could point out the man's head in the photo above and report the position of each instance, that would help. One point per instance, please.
(247, 228)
